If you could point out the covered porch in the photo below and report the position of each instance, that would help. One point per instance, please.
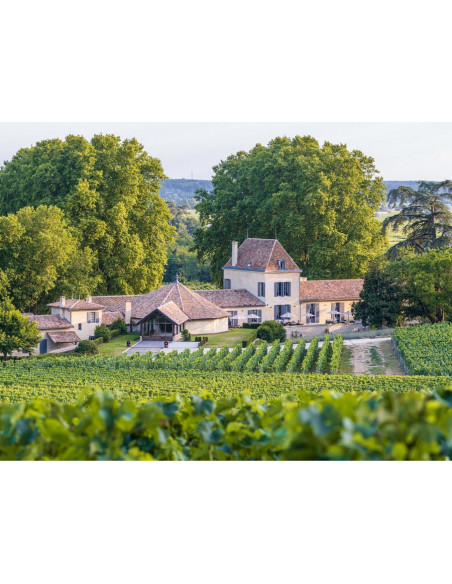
(159, 326)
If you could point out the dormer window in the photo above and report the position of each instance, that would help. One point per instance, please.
(281, 264)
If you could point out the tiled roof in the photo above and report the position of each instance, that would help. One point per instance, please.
(114, 302)
(231, 298)
(188, 301)
(173, 312)
(330, 289)
(49, 321)
(261, 255)
(109, 316)
(74, 304)
(64, 337)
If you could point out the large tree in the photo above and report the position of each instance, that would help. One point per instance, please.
(319, 201)
(424, 217)
(41, 257)
(381, 299)
(109, 192)
(17, 332)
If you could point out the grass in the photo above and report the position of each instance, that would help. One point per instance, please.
(394, 235)
(229, 338)
(117, 345)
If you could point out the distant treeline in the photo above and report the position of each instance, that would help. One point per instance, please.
(182, 190)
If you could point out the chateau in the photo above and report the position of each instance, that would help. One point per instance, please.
(260, 282)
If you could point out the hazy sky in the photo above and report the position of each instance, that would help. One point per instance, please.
(402, 151)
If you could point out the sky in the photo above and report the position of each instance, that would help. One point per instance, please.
(402, 151)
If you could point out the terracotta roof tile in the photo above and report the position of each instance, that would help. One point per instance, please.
(173, 312)
(49, 321)
(330, 289)
(188, 301)
(261, 255)
(114, 302)
(231, 298)
(109, 316)
(64, 337)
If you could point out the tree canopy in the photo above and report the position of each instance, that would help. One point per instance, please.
(319, 201)
(17, 332)
(424, 217)
(109, 192)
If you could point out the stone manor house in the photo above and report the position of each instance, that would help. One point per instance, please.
(260, 282)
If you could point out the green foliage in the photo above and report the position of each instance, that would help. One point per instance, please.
(271, 330)
(321, 201)
(389, 426)
(426, 281)
(381, 299)
(109, 192)
(144, 377)
(88, 347)
(182, 260)
(42, 257)
(284, 356)
(426, 349)
(336, 354)
(297, 357)
(120, 325)
(424, 218)
(324, 355)
(310, 356)
(186, 335)
(103, 332)
(17, 332)
(270, 356)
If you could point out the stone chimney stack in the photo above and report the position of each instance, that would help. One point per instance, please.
(62, 301)
(128, 312)
(89, 299)
(235, 250)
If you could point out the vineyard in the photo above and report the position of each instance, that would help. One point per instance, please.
(144, 377)
(426, 349)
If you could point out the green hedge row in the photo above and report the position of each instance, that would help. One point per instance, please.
(353, 426)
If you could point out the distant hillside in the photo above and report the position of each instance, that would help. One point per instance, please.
(182, 190)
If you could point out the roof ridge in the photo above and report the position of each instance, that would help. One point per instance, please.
(271, 253)
(180, 297)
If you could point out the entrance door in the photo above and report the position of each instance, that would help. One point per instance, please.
(43, 347)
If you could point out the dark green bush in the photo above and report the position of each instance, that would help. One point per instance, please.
(186, 335)
(115, 333)
(120, 325)
(102, 331)
(251, 325)
(87, 348)
(351, 426)
(265, 333)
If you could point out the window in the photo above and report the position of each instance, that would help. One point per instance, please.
(92, 317)
(281, 309)
(233, 322)
(261, 289)
(282, 288)
(313, 311)
(227, 284)
(254, 315)
(79, 326)
(281, 264)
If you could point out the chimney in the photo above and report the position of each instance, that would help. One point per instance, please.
(89, 299)
(62, 301)
(235, 249)
(303, 279)
(128, 312)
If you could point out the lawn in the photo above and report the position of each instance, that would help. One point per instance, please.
(229, 338)
(117, 345)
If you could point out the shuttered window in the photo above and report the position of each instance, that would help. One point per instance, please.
(282, 288)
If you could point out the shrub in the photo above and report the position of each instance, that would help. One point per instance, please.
(98, 341)
(309, 358)
(278, 332)
(186, 335)
(102, 331)
(87, 348)
(265, 333)
(120, 325)
(324, 355)
(251, 325)
(336, 354)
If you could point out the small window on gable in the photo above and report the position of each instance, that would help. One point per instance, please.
(227, 284)
(79, 326)
(281, 264)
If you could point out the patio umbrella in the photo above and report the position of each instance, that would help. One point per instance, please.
(348, 313)
(287, 315)
(307, 315)
(333, 312)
